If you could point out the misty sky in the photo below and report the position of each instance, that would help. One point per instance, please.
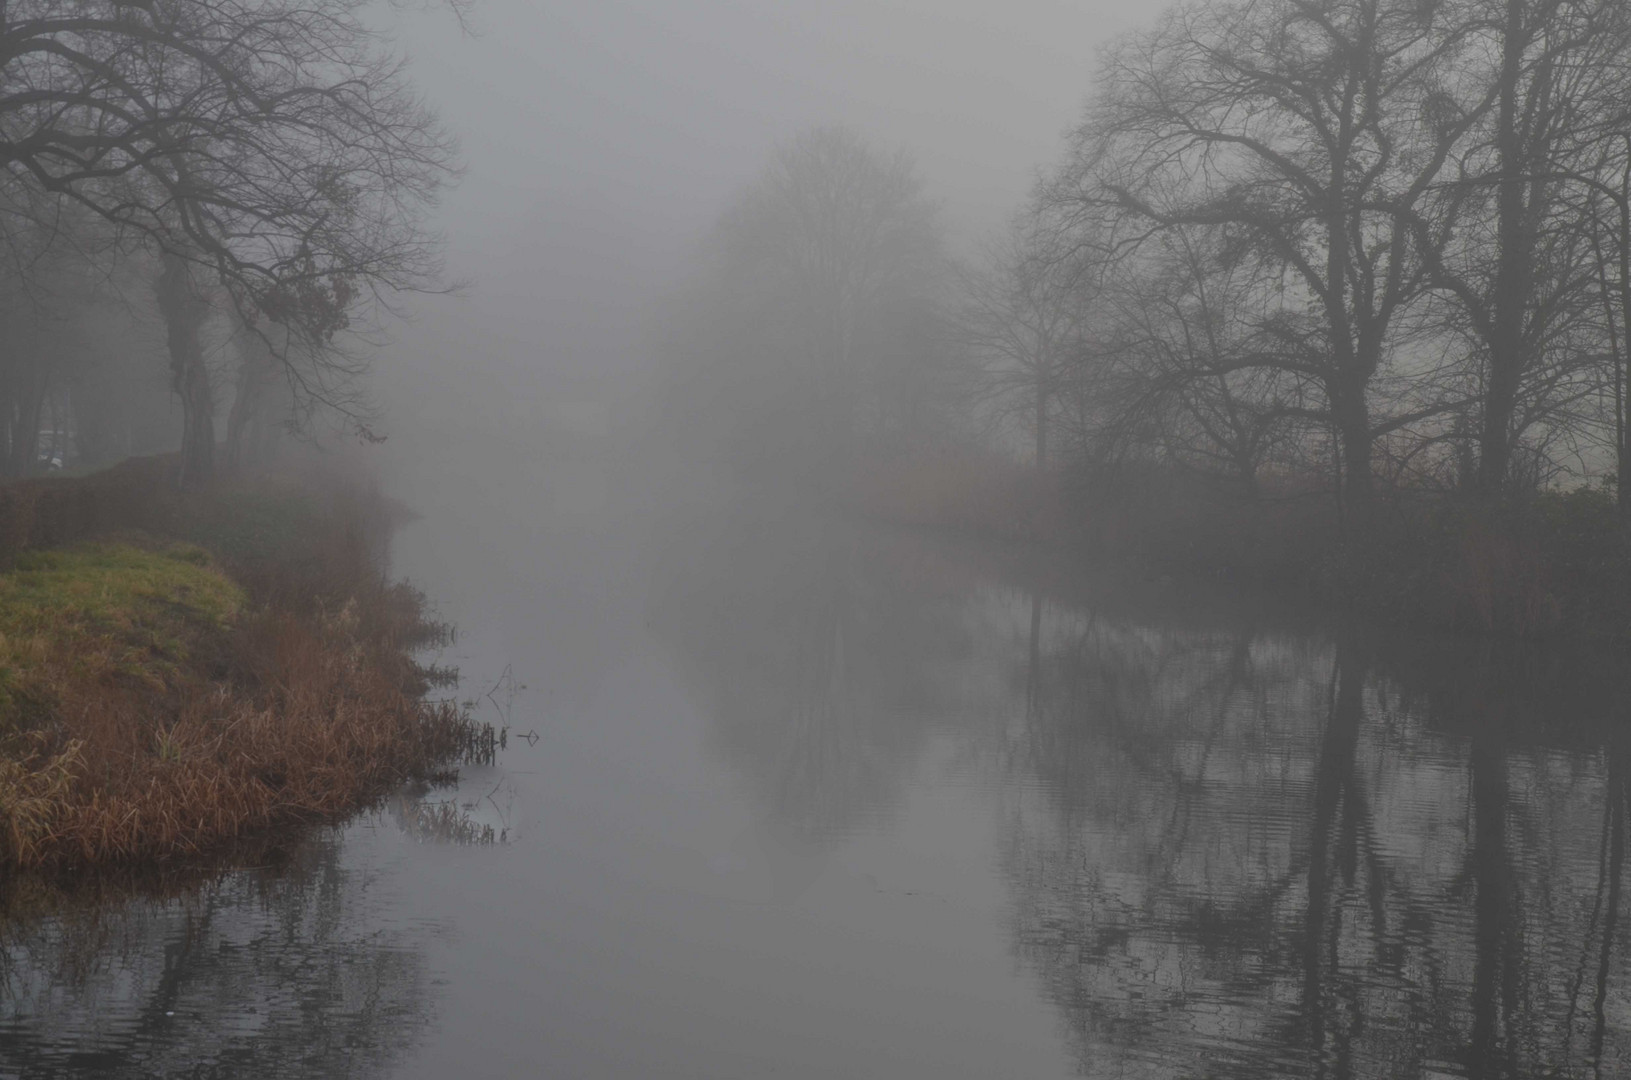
(602, 138)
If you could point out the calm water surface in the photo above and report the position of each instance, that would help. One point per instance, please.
(814, 800)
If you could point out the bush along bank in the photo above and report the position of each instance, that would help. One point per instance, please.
(1556, 564)
(1550, 564)
(184, 672)
(1547, 565)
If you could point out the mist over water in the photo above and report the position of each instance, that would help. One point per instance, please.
(814, 797)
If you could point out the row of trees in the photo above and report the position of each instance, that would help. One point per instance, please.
(225, 182)
(1358, 242)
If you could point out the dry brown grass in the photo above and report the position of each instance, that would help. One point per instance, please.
(303, 707)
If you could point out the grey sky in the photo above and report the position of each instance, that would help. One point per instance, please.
(603, 137)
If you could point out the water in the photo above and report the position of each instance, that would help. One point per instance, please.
(811, 799)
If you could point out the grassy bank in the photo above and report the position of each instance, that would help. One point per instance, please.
(236, 665)
(1554, 564)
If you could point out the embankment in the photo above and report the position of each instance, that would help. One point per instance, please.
(1553, 564)
(180, 672)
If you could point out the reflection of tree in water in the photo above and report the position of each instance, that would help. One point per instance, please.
(1247, 857)
(254, 975)
(812, 650)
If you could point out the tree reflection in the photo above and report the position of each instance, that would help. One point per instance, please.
(812, 647)
(1250, 856)
(1234, 851)
(256, 974)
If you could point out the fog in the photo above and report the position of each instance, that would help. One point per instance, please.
(1027, 539)
(602, 142)
(601, 145)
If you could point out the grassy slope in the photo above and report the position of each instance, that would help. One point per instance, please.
(108, 611)
(154, 704)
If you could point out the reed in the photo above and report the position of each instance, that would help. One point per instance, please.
(161, 702)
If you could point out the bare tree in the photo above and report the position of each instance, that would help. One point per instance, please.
(1308, 132)
(1504, 237)
(49, 288)
(819, 321)
(1022, 315)
(1182, 346)
(268, 143)
(1608, 219)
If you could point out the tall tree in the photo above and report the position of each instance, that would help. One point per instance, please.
(819, 318)
(1308, 129)
(185, 308)
(267, 142)
(1514, 259)
(1023, 316)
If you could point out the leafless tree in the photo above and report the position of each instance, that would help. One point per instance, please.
(1023, 316)
(1503, 231)
(268, 145)
(819, 322)
(1308, 132)
(1181, 348)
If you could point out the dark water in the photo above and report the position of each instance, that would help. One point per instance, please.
(814, 800)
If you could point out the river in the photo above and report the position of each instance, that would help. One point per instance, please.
(791, 796)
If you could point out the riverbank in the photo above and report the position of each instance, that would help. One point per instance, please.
(1556, 564)
(179, 673)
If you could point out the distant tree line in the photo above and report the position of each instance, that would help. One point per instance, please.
(819, 333)
(200, 201)
(1356, 245)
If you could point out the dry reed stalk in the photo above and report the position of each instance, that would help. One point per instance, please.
(307, 709)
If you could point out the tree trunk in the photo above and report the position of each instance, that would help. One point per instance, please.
(184, 311)
(253, 399)
(237, 420)
(1352, 416)
(1622, 349)
(1033, 668)
(1352, 363)
(1607, 294)
(198, 428)
(1041, 423)
(1500, 401)
(1506, 346)
(29, 400)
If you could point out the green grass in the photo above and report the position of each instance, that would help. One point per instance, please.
(159, 699)
(256, 525)
(105, 609)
